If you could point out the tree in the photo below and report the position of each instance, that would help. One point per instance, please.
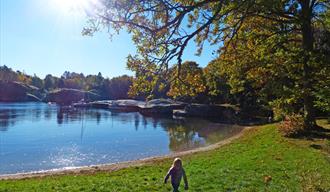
(36, 81)
(50, 82)
(22, 77)
(93, 82)
(191, 82)
(322, 89)
(218, 89)
(258, 70)
(118, 87)
(162, 28)
(146, 85)
(7, 74)
(272, 63)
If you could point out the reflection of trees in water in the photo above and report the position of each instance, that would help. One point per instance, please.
(98, 117)
(182, 138)
(10, 114)
(123, 116)
(36, 114)
(155, 122)
(144, 122)
(141, 121)
(193, 132)
(60, 117)
(183, 134)
(48, 114)
(7, 118)
(136, 121)
(67, 115)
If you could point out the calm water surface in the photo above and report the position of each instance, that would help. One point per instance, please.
(38, 136)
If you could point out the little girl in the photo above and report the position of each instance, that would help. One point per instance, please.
(176, 172)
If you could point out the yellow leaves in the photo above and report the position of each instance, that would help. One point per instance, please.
(23, 78)
(267, 179)
(161, 87)
(258, 75)
(191, 81)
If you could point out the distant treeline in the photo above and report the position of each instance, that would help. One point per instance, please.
(208, 85)
(114, 88)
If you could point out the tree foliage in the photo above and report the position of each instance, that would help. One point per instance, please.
(190, 84)
(282, 30)
(118, 87)
(114, 88)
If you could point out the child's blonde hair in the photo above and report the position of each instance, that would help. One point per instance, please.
(177, 163)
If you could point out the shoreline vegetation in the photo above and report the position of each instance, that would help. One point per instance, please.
(117, 94)
(258, 160)
(216, 98)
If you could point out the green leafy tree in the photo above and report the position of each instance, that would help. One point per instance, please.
(273, 62)
(218, 89)
(146, 84)
(50, 82)
(36, 81)
(118, 87)
(191, 82)
(162, 29)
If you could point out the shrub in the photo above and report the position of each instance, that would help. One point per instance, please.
(292, 125)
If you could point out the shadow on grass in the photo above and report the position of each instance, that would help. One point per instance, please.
(320, 138)
(317, 133)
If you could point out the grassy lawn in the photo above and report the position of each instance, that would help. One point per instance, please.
(261, 160)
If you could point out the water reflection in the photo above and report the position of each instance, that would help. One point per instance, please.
(67, 115)
(6, 117)
(12, 113)
(37, 136)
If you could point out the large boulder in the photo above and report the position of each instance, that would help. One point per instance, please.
(69, 96)
(160, 107)
(123, 105)
(103, 104)
(126, 105)
(220, 112)
(11, 91)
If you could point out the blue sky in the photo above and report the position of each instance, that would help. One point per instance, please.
(44, 37)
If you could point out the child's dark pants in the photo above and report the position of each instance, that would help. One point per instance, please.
(175, 187)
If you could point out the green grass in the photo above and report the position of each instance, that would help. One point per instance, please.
(243, 165)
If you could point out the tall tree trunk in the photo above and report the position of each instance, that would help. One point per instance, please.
(307, 45)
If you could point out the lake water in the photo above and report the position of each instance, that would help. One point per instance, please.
(38, 136)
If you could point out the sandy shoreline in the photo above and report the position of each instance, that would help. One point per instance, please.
(121, 165)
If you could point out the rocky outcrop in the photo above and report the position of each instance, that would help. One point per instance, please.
(154, 107)
(160, 107)
(124, 105)
(18, 92)
(220, 112)
(69, 96)
(104, 104)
